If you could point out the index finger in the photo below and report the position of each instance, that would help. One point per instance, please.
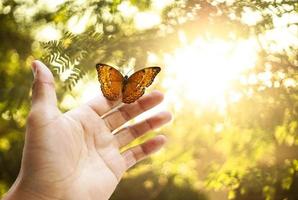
(102, 105)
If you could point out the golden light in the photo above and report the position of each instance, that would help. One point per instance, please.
(126, 9)
(202, 71)
(83, 92)
(91, 90)
(47, 32)
(77, 24)
(159, 5)
(251, 17)
(146, 20)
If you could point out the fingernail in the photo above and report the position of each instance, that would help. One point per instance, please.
(34, 68)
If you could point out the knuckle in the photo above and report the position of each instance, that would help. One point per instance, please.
(31, 119)
(125, 114)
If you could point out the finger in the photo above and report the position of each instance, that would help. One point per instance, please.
(129, 111)
(43, 92)
(101, 105)
(128, 134)
(137, 153)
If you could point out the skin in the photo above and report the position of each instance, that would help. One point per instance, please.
(76, 155)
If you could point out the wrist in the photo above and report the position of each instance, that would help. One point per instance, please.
(19, 195)
(21, 191)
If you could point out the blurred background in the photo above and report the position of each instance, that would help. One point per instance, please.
(229, 74)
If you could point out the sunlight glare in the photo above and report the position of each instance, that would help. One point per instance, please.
(91, 90)
(202, 71)
(283, 35)
(64, 75)
(50, 5)
(251, 17)
(47, 32)
(77, 24)
(126, 9)
(145, 20)
(158, 4)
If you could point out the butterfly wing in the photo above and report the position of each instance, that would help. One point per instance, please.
(136, 84)
(111, 81)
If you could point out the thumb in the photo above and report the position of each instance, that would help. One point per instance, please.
(43, 91)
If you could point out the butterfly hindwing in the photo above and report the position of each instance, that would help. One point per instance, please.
(136, 84)
(111, 81)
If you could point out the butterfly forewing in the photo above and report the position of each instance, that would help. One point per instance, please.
(136, 84)
(111, 81)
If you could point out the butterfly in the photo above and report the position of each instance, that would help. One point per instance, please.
(115, 86)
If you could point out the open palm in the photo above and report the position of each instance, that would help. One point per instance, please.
(76, 155)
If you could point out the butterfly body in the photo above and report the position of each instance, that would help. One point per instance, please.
(130, 88)
(125, 81)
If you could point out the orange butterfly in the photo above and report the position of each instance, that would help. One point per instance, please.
(114, 85)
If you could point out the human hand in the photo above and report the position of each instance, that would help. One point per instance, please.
(75, 155)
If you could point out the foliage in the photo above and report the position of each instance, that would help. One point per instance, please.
(249, 151)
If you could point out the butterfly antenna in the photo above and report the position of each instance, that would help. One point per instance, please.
(130, 70)
(133, 68)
